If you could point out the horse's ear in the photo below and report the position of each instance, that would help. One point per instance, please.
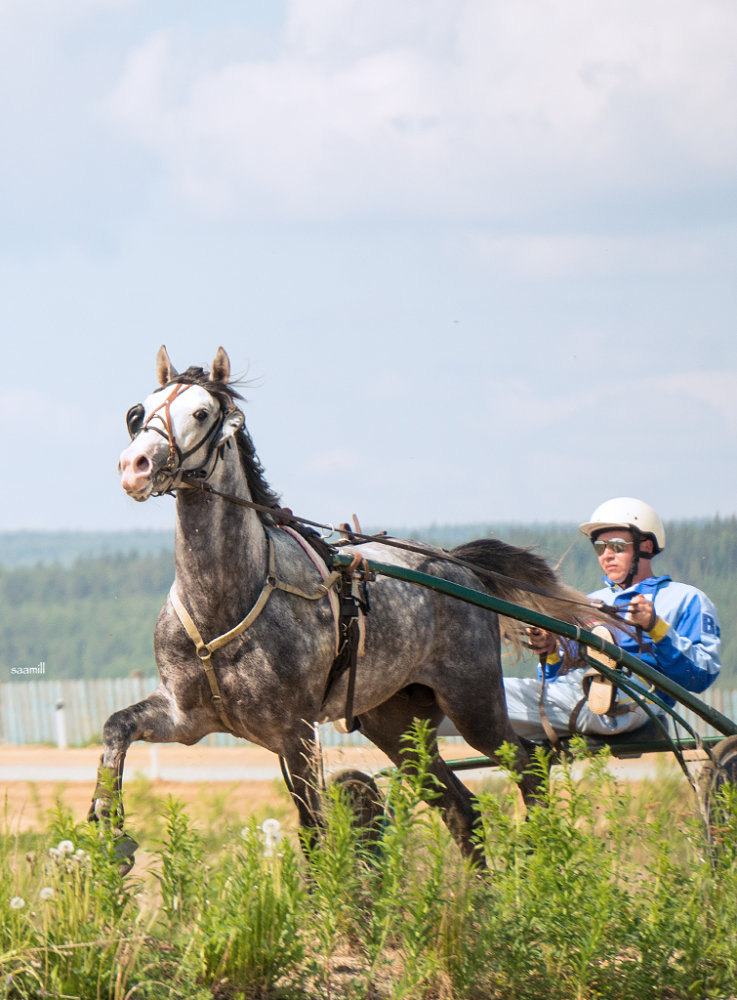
(220, 371)
(233, 422)
(165, 370)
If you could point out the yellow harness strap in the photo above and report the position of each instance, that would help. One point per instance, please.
(205, 649)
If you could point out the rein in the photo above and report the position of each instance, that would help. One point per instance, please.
(283, 515)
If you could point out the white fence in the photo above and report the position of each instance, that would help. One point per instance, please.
(73, 712)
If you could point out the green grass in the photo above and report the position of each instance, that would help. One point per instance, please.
(603, 893)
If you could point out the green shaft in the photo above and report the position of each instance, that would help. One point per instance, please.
(715, 718)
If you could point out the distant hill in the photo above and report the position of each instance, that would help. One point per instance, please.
(40, 548)
(43, 548)
(86, 603)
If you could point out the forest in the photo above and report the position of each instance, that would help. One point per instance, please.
(85, 604)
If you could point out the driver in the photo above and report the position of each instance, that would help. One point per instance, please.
(676, 632)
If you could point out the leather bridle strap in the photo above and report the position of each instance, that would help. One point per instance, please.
(166, 420)
(205, 650)
(176, 455)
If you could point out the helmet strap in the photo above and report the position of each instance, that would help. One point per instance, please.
(636, 539)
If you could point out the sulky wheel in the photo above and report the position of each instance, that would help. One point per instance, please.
(716, 776)
(366, 802)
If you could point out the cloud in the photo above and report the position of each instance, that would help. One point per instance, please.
(33, 414)
(46, 12)
(528, 406)
(563, 255)
(335, 461)
(437, 109)
(532, 408)
(715, 390)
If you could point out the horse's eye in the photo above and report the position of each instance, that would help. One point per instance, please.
(200, 415)
(134, 419)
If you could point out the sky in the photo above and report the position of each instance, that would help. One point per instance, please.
(476, 259)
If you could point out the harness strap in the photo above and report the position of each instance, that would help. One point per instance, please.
(351, 635)
(544, 720)
(205, 654)
(573, 717)
(326, 576)
(352, 640)
(205, 649)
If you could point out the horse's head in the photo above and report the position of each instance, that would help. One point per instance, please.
(179, 429)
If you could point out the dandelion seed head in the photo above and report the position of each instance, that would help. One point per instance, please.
(65, 847)
(272, 835)
(46, 893)
(17, 903)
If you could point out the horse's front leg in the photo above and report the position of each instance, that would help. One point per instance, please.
(305, 783)
(155, 720)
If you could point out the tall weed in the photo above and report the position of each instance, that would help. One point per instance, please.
(77, 929)
(601, 892)
(249, 933)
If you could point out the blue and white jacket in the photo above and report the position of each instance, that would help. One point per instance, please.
(684, 641)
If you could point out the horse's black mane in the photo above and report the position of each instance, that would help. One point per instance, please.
(261, 492)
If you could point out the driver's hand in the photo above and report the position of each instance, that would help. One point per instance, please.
(541, 642)
(641, 612)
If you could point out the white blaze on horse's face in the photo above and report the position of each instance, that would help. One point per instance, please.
(178, 432)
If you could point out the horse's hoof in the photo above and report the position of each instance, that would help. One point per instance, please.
(124, 852)
(125, 867)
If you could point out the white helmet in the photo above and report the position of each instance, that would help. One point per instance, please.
(626, 512)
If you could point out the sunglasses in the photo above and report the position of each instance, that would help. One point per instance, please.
(615, 544)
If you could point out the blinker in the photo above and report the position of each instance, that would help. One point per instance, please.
(134, 419)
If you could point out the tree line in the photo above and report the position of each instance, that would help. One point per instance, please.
(86, 605)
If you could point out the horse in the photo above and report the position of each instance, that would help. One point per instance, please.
(246, 640)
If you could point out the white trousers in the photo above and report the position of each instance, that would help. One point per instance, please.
(561, 696)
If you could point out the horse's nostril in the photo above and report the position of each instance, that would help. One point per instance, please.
(142, 464)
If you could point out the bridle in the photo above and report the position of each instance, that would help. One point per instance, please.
(172, 468)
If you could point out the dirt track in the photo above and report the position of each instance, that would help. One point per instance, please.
(33, 779)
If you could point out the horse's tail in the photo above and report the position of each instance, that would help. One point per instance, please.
(522, 577)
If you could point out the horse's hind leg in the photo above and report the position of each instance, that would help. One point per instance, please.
(484, 725)
(386, 725)
(152, 720)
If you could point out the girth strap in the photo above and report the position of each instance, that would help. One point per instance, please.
(351, 612)
(205, 650)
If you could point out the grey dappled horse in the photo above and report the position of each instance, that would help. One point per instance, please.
(426, 654)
